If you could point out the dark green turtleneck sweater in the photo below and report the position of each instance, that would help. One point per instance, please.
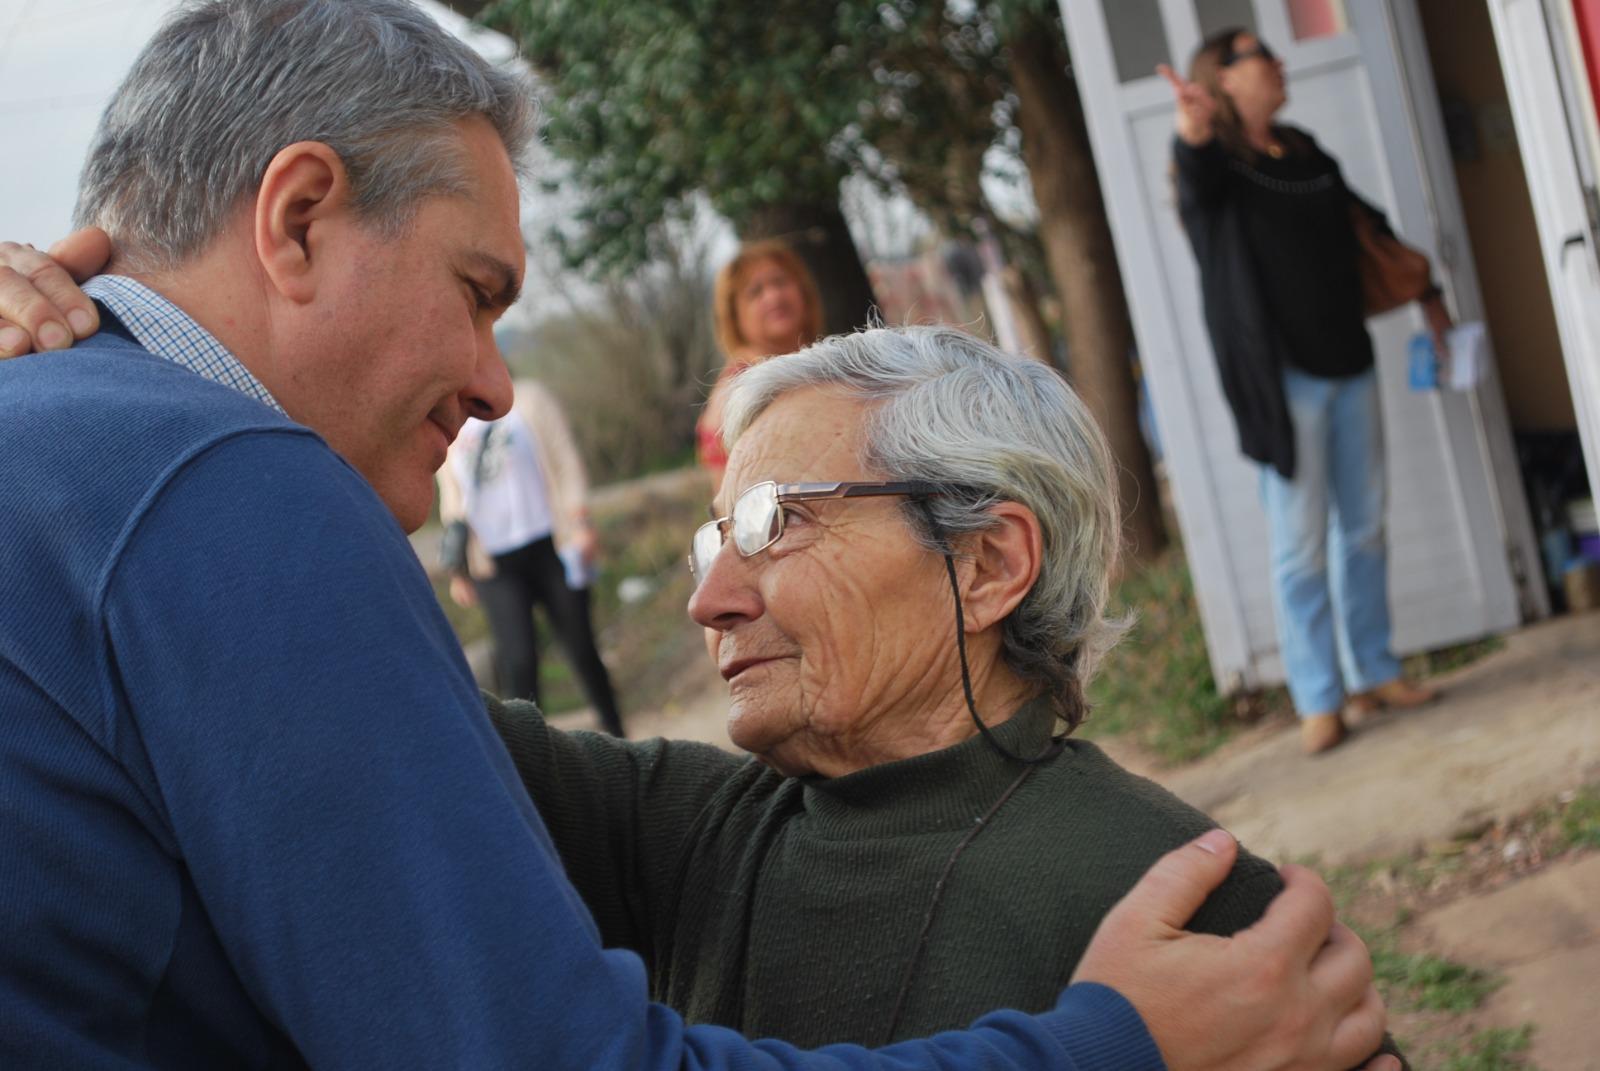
(792, 907)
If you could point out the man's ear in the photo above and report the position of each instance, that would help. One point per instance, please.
(304, 191)
(1004, 560)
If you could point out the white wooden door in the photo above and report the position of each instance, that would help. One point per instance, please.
(1449, 574)
(1545, 108)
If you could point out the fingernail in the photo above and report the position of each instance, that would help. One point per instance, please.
(12, 339)
(82, 323)
(52, 336)
(1215, 841)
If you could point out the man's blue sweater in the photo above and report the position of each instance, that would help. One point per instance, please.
(218, 848)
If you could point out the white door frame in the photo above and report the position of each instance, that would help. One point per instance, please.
(1216, 586)
(1484, 425)
(1540, 84)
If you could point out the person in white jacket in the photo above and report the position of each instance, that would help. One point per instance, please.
(520, 487)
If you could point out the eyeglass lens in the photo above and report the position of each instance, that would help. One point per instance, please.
(757, 522)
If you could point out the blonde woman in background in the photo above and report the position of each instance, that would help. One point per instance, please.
(765, 303)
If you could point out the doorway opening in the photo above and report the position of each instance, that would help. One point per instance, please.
(1518, 309)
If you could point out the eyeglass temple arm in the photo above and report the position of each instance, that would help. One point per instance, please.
(857, 489)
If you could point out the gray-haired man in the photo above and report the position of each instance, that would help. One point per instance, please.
(217, 852)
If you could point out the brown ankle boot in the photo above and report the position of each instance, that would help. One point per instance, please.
(1319, 732)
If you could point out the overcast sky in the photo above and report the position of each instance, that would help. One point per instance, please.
(60, 61)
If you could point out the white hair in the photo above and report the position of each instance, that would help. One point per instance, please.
(953, 410)
(226, 84)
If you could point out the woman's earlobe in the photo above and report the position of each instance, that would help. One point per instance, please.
(1007, 558)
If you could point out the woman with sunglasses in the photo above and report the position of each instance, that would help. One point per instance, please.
(1273, 227)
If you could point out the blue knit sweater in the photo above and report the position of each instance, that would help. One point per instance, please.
(218, 844)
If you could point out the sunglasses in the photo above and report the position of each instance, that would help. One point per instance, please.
(756, 520)
(1261, 50)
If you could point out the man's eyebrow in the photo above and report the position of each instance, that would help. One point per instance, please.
(505, 284)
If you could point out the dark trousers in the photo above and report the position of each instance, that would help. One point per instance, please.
(528, 576)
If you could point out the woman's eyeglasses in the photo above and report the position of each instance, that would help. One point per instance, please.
(1261, 50)
(757, 516)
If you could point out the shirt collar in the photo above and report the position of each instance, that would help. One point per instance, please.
(168, 332)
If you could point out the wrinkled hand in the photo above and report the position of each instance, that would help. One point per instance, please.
(41, 307)
(1292, 993)
(1197, 109)
(462, 591)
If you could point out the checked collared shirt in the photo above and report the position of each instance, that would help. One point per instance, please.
(170, 333)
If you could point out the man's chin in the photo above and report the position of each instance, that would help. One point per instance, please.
(411, 507)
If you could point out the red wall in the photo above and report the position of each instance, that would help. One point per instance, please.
(1587, 15)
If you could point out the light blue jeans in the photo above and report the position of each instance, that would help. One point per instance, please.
(1330, 572)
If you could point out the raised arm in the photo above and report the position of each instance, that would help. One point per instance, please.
(1199, 162)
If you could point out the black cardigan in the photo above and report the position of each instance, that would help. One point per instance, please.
(1250, 348)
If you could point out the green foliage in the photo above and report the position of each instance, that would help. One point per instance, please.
(1499, 1049)
(652, 101)
(1156, 686)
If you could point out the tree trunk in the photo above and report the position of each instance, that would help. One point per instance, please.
(818, 235)
(1035, 333)
(1083, 262)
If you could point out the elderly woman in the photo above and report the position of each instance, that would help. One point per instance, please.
(906, 593)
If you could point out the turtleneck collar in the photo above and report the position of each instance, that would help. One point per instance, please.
(942, 790)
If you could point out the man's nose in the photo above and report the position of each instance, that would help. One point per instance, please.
(489, 393)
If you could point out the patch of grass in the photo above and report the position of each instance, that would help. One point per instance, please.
(1579, 824)
(1431, 983)
(1407, 980)
(1156, 685)
(1499, 1049)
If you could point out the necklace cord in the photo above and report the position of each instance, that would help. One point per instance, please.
(938, 896)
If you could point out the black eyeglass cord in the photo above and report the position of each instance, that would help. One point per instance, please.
(1052, 749)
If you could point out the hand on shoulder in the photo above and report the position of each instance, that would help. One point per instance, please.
(1292, 993)
(41, 304)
